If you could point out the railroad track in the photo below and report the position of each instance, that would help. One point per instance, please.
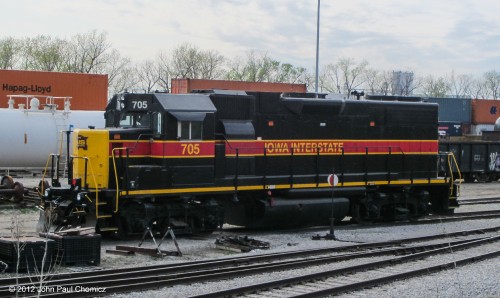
(459, 217)
(153, 277)
(335, 282)
(479, 201)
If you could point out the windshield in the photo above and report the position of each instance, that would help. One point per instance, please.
(135, 120)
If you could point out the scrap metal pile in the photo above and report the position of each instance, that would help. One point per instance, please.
(240, 244)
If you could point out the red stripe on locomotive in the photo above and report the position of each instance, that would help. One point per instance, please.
(286, 147)
(168, 149)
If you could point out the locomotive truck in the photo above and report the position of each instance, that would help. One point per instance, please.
(196, 161)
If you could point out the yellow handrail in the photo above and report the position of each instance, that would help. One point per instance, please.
(43, 176)
(116, 174)
(96, 190)
(451, 157)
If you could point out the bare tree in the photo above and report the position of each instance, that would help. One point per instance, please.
(329, 79)
(344, 76)
(183, 61)
(477, 89)
(210, 65)
(119, 70)
(435, 87)
(373, 81)
(386, 83)
(9, 53)
(86, 53)
(17, 231)
(148, 76)
(460, 84)
(125, 80)
(164, 70)
(351, 73)
(492, 83)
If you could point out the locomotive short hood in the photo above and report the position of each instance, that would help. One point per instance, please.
(184, 107)
(176, 104)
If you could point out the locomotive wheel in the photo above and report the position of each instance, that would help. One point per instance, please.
(7, 183)
(18, 196)
(358, 211)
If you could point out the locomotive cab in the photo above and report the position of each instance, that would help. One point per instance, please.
(152, 143)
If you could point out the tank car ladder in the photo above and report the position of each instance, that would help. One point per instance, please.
(61, 132)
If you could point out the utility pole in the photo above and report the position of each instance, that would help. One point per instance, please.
(317, 52)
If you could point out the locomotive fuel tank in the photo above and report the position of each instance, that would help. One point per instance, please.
(30, 133)
(282, 212)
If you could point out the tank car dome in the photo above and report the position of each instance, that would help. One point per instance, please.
(497, 125)
(34, 103)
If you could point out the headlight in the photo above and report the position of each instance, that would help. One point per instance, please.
(79, 196)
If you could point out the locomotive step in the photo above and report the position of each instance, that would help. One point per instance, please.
(109, 229)
(104, 216)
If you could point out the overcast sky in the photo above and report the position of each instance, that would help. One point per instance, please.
(426, 36)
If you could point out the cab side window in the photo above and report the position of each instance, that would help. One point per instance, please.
(158, 123)
(189, 130)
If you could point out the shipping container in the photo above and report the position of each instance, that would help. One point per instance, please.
(485, 111)
(180, 86)
(452, 109)
(87, 91)
(453, 129)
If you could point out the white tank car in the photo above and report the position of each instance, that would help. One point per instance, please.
(32, 131)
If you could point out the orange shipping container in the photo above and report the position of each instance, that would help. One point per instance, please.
(485, 111)
(187, 85)
(87, 91)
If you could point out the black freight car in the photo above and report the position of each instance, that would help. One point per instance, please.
(195, 161)
(478, 160)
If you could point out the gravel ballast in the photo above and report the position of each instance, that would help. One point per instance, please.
(476, 280)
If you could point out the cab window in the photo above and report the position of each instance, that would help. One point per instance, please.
(135, 120)
(189, 130)
(158, 123)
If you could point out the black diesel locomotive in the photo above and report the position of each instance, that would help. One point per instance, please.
(196, 161)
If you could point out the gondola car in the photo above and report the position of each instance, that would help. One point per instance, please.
(195, 161)
(478, 157)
